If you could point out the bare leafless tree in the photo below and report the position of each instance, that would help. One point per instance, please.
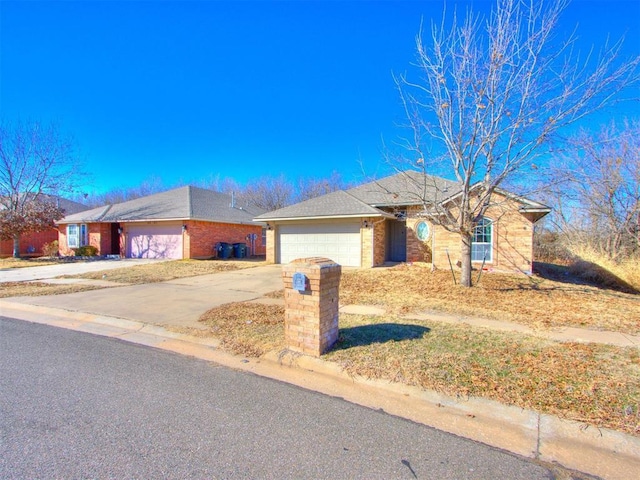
(151, 185)
(36, 162)
(491, 95)
(314, 187)
(597, 193)
(268, 193)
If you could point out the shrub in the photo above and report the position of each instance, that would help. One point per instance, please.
(51, 249)
(548, 247)
(86, 251)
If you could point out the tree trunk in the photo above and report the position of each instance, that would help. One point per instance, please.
(16, 246)
(465, 260)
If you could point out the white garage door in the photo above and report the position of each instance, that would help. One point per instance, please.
(154, 241)
(340, 242)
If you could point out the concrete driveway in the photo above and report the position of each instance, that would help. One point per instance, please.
(177, 302)
(27, 274)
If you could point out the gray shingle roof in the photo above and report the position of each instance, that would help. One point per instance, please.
(405, 188)
(184, 203)
(336, 204)
(69, 206)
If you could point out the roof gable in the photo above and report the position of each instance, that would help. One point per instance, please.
(405, 188)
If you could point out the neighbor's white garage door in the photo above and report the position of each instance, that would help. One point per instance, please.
(154, 241)
(339, 242)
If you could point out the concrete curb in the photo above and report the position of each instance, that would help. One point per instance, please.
(598, 451)
(606, 453)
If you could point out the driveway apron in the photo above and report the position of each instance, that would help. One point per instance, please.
(177, 302)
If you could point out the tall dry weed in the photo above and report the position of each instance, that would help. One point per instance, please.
(597, 267)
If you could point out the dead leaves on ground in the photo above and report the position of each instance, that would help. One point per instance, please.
(531, 301)
(249, 329)
(595, 384)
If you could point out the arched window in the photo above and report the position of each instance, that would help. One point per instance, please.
(482, 243)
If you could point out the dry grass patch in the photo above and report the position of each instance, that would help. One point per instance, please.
(248, 329)
(595, 384)
(7, 263)
(36, 289)
(532, 301)
(164, 271)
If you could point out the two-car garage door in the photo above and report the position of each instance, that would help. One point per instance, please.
(339, 242)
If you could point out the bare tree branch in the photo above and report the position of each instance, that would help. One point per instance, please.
(493, 94)
(36, 163)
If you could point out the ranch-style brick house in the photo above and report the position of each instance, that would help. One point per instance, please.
(187, 222)
(382, 221)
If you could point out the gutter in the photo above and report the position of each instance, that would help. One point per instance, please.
(328, 217)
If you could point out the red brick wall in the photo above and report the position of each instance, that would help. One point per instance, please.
(99, 235)
(31, 241)
(200, 239)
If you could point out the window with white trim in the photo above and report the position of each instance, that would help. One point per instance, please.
(76, 235)
(482, 243)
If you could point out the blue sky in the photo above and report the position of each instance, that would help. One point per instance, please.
(189, 90)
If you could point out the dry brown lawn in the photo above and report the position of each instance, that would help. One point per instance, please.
(36, 289)
(533, 301)
(11, 262)
(170, 270)
(249, 329)
(595, 384)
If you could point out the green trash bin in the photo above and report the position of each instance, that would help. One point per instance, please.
(240, 250)
(225, 250)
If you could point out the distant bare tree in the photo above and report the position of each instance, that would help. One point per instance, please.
(220, 184)
(36, 161)
(493, 92)
(122, 194)
(314, 187)
(597, 195)
(268, 193)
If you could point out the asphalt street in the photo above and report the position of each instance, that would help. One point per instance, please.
(74, 405)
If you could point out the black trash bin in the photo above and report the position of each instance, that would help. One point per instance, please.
(240, 250)
(224, 250)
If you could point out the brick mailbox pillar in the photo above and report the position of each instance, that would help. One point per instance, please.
(311, 288)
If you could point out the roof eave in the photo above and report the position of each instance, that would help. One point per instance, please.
(324, 217)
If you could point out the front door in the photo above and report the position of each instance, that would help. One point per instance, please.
(115, 239)
(397, 241)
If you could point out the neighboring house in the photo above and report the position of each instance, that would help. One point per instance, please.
(31, 243)
(382, 221)
(186, 222)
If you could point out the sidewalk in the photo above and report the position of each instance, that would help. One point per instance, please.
(558, 334)
(145, 314)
